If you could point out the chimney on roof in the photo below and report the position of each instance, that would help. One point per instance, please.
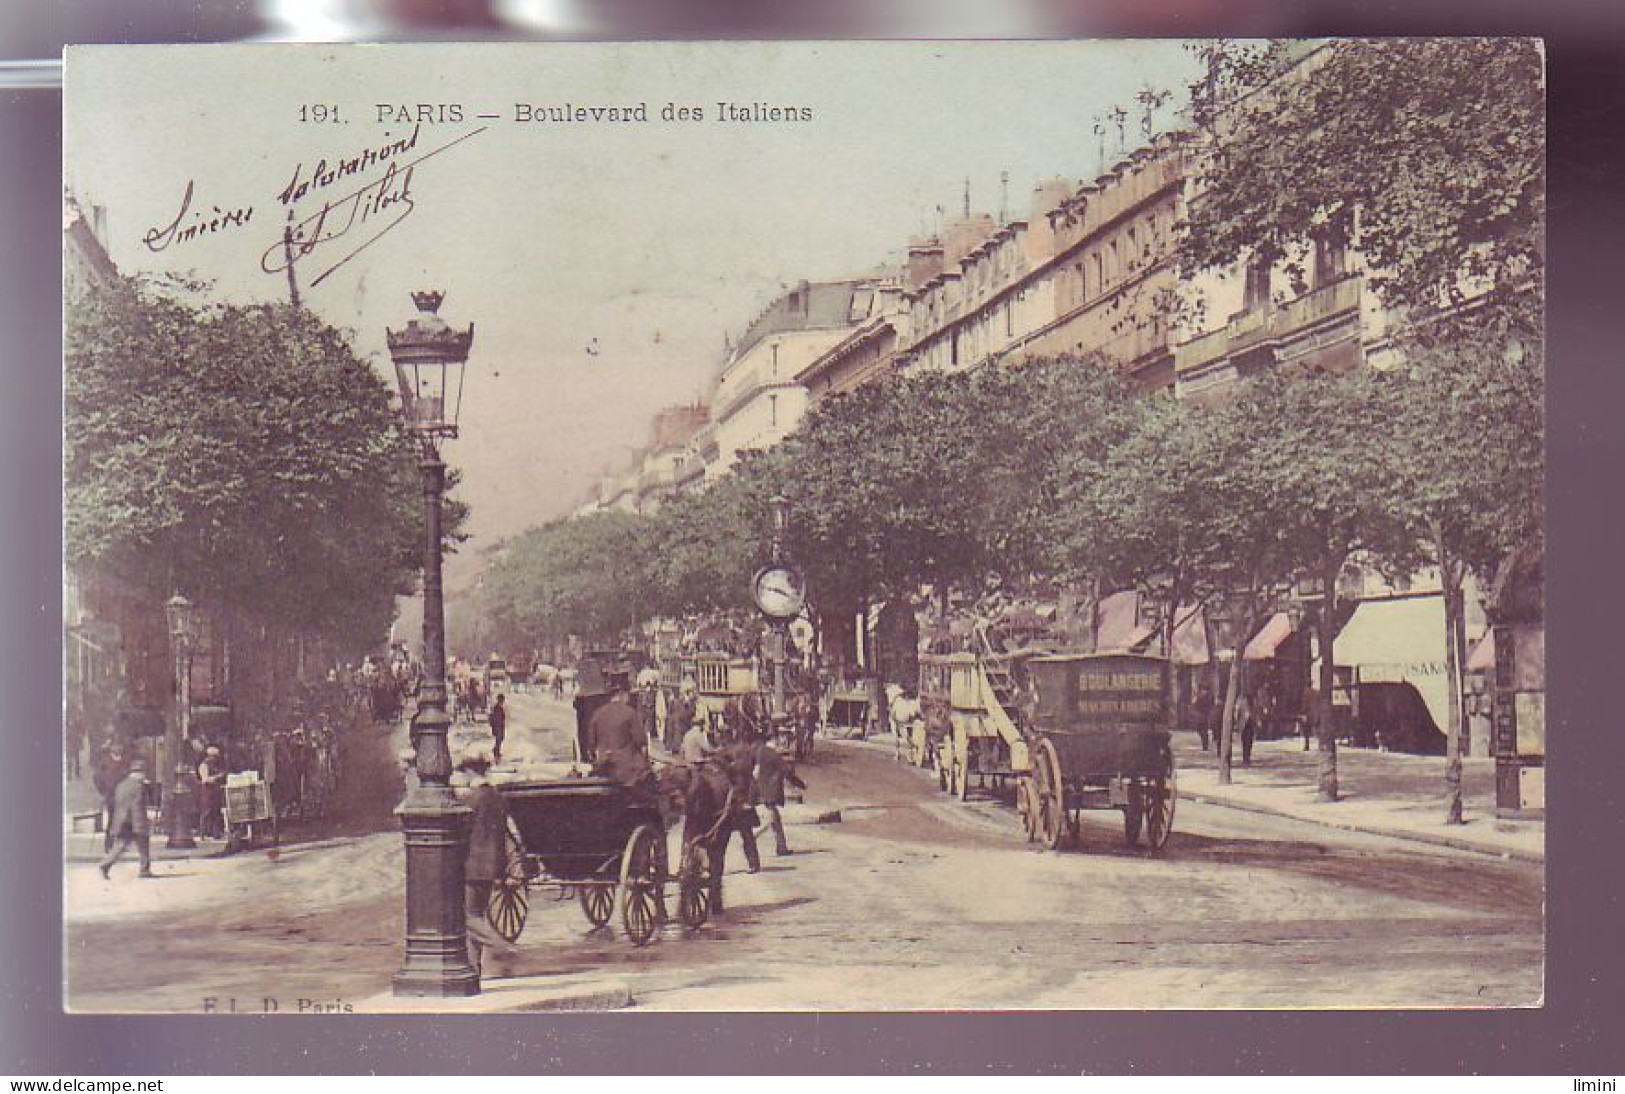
(924, 261)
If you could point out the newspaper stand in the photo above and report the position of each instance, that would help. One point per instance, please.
(249, 812)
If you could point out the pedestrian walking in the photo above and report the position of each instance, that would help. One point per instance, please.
(1202, 713)
(1246, 718)
(486, 863)
(680, 714)
(739, 761)
(498, 720)
(772, 772)
(107, 772)
(129, 824)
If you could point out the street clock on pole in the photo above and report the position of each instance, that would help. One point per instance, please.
(779, 591)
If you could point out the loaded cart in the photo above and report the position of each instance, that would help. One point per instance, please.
(1096, 726)
(604, 842)
(250, 814)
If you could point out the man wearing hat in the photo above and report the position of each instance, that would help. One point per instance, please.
(619, 747)
(130, 819)
(680, 715)
(211, 778)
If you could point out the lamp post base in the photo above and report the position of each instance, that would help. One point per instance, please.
(436, 964)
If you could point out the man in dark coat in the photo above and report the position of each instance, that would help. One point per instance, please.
(680, 715)
(486, 863)
(498, 719)
(620, 748)
(107, 772)
(772, 772)
(130, 819)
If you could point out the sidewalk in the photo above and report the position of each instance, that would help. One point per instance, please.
(1382, 793)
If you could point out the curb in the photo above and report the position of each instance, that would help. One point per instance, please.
(1370, 830)
(519, 995)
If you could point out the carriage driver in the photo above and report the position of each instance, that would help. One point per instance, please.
(620, 747)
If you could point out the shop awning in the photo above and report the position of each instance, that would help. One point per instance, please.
(1400, 641)
(1190, 636)
(1263, 645)
(1482, 659)
(1120, 630)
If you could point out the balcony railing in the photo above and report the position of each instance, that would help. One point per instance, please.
(1269, 324)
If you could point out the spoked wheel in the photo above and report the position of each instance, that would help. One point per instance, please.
(509, 905)
(1052, 805)
(643, 879)
(1133, 813)
(1027, 807)
(597, 902)
(694, 888)
(1161, 795)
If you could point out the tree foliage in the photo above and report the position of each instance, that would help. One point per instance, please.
(243, 455)
(1431, 150)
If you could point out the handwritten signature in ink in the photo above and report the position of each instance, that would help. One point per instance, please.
(359, 219)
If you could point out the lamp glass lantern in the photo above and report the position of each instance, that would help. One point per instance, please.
(182, 619)
(429, 357)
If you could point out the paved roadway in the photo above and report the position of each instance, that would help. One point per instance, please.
(912, 901)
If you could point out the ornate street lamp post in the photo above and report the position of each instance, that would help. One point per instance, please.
(429, 356)
(780, 593)
(178, 795)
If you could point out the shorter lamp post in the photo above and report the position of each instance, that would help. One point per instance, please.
(429, 356)
(178, 795)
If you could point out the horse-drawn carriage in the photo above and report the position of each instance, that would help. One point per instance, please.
(969, 728)
(1096, 726)
(604, 842)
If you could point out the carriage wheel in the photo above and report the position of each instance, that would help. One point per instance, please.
(597, 903)
(643, 879)
(1162, 794)
(1052, 806)
(1133, 812)
(694, 888)
(1027, 807)
(509, 905)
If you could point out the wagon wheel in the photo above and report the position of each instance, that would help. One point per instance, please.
(1162, 794)
(643, 878)
(1027, 807)
(1133, 813)
(509, 905)
(597, 902)
(694, 887)
(1052, 806)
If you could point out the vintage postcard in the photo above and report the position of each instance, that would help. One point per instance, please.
(804, 526)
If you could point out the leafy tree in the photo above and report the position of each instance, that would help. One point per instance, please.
(588, 575)
(1467, 415)
(1320, 468)
(1430, 151)
(243, 455)
(1429, 156)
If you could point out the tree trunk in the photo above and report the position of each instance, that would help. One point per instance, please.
(1450, 578)
(1326, 733)
(1227, 722)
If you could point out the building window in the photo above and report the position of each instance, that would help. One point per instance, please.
(1100, 273)
(1256, 293)
(773, 403)
(1331, 258)
(775, 360)
(1009, 320)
